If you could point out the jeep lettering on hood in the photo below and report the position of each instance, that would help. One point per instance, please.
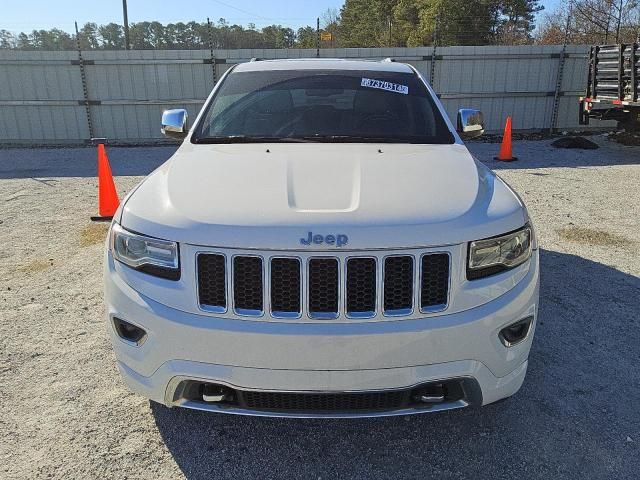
(315, 239)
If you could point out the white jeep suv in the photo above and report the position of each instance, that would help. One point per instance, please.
(322, 244)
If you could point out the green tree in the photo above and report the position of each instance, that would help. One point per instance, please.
(183, 35)
(140, 36)
(277, 36)
(406, 22)
(89, 39)
(112, 36)
(306, 37)
(447, 22)
(24, 42)
(251, 37)
(53, 39)
(158, 35)
(7, 39)
(365, 23)
(518, 21)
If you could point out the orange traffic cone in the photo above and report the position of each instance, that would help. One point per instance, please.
(108, 200)
(505, 154)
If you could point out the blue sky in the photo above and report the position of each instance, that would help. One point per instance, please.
(27, 15)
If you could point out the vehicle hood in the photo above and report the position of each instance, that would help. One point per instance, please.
(271, 195)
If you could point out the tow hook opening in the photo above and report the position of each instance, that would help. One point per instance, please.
(213, 393)
(434, 393)
(516, 332)
(129, 332)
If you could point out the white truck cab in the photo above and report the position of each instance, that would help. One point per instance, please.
(322, 244)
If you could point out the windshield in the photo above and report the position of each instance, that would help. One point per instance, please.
(322, 105)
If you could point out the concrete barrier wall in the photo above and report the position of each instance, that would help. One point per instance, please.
(52, 97)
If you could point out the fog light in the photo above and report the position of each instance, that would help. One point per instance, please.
(129, 332)
(516, 332)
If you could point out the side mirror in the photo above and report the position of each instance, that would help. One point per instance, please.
(470, 123)
(175, 123)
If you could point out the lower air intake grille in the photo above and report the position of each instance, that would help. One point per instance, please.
(212, 281)
(247, 285)
(398, 285)
(328, 402)
(323, 287)
(435, 281)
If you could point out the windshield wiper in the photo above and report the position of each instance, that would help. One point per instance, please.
(247, 139)
(352, 138)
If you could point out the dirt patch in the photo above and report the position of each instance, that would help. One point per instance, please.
(626, 138)
(93, 234)
(37, 265)
(592, 236)
(574, 142)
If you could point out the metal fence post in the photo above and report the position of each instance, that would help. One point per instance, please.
(432, 73)
(557, 92)
(211, 55)
(85, 92)
(318, 37)
(560, 71)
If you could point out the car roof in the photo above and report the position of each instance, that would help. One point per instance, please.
(323, 64)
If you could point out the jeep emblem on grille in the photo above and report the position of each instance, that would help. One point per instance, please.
(338, 240)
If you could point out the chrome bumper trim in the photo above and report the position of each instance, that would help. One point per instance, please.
(230, 410)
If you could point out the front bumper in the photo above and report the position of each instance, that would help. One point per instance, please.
(322, 357)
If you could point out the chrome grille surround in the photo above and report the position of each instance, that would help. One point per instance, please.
(342, 257)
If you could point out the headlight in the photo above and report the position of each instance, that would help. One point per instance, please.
(147, 254)
(494, 255)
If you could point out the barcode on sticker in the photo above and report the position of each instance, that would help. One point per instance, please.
(382, 85)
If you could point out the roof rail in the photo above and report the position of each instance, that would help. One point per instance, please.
(255, 59)
(388, 59)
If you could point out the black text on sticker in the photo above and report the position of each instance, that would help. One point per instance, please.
(382, 85)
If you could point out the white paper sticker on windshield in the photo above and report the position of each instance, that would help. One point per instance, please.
(382, 85)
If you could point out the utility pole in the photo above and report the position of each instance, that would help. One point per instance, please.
(126, 25)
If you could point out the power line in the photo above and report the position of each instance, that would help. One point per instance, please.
(241, 10)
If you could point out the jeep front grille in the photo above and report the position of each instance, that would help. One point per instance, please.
(434, 282)
(323, 287)
(286, 287)
(361, 287)
(248, 290)
(398, 285)
(212, 282)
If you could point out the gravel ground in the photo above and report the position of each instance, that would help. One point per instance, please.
(64, 412)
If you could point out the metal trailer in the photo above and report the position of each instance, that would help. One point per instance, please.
(612, 86)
